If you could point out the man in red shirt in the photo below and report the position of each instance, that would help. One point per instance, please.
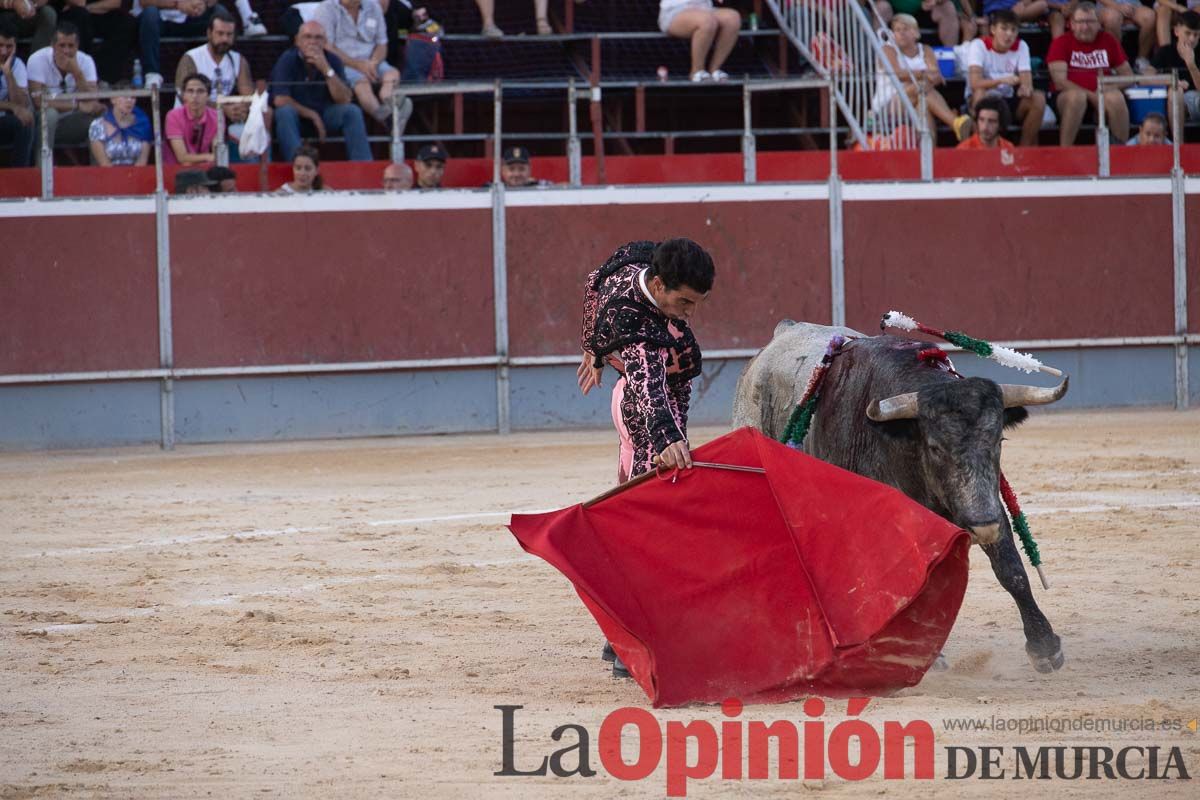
(1076, 60)
(990, 113)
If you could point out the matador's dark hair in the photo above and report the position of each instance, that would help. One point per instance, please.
(682, 262)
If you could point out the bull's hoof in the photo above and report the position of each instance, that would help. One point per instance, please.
(940, 664)
(1050, 663)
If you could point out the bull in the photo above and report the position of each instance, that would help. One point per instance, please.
(892, 417)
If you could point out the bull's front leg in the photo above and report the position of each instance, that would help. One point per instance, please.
(1041, 643)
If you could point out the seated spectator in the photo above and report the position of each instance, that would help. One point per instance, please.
(306, 172)
(487, 10)
(191, 129)
(951, 18)
(1181, 58)
(108, 20)
(991, 116)
(191, 181)
(430, 166)
(226, 69)
(1152, 131)
(998, 66)
(1116, 13)
(123, 136)
(158, 18)
(1165, 12)
(16, 116)
(707, 28)
(397, 178)
(31, 18)
(59, 69)
(1076, 60)
(357, 35)
(516, 172)
(309, 88)
(252, 26)
(910, 61)
(224, 180)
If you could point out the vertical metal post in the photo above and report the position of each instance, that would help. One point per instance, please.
(574, 146)
(166, 351)
(1176, 101)
(837, 255)
(156, 120)
(596, 113)
(1179, 250)
(47, 152)
(397, 146)
(749, 147)
(222, 145)
(500, 275)
(1102, 133)
(926, 136)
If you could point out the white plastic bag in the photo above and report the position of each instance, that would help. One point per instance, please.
(255, 139)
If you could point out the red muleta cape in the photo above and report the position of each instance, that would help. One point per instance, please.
(807, 579)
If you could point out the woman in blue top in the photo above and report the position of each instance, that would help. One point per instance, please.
(122, 136)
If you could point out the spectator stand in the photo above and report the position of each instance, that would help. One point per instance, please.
(1103, 145)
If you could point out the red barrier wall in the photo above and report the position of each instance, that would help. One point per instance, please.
(78, 294)
(330, 286)
(1016, 268)
(806, 165)
(772, 261)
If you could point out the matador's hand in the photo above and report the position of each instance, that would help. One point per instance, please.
(676, 456)
(589, 376)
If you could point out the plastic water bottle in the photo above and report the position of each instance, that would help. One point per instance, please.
(138, 80)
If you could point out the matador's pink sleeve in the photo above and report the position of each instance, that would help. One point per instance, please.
(646, 374)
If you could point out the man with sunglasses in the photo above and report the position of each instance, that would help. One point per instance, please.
(1076, 60)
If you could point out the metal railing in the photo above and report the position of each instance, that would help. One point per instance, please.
(46, 152)
(843, 45)
(1176, 128)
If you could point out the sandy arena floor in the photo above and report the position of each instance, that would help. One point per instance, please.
(337, 620)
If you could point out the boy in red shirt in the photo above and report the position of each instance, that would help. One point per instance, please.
(1076, 60)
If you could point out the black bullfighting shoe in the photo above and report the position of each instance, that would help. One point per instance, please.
(608, 654)
(619, 668)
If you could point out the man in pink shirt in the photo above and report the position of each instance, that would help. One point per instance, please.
(1076, 60)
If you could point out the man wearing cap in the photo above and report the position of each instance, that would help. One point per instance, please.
(635, 318)
(516, 172)
(192, 182)
(430, 166)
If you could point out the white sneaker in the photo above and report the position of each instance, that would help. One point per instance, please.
(253, 27)
(153, 80)
(720, 75)
(701, 75)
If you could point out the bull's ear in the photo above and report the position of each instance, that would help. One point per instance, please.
(896, 428)
(1015, 416)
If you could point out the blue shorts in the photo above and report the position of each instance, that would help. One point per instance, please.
(354, 76)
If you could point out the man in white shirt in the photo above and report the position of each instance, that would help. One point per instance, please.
(998, 66)
(358, 35)
(158, 18)
(59, 69)
(16, 119)
(228, 70)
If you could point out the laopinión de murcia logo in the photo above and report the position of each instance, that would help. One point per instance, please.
(812, 749)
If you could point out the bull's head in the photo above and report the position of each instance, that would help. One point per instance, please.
(958, 428)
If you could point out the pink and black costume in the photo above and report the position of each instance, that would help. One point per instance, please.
(657, 357)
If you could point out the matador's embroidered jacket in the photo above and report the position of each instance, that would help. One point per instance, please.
(657, 355)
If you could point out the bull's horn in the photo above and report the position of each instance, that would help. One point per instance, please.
(1016, 394)
(901, 406)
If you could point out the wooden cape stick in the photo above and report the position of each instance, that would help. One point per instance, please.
(645, 476)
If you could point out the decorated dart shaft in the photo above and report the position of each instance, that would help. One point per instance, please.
(1001, 355)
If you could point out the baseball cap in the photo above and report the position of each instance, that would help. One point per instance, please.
(189, 178)
(516, 155)
(432, 152)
